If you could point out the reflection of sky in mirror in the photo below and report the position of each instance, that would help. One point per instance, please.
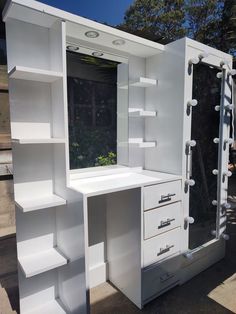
(103, 11)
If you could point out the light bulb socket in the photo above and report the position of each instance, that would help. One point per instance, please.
(118, 42)
(72, 48)
(97, 54)
(91, 34)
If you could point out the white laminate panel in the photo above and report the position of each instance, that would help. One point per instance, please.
(160, 247)
(162, 219)
(159, 277)
(162, 194)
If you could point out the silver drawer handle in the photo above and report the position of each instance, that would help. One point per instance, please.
(164, 250)
(165, 223)
(166, 277)
(166, 198)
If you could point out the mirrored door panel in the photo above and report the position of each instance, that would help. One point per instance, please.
(204, 156)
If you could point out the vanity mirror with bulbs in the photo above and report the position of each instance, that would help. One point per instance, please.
(118, 174)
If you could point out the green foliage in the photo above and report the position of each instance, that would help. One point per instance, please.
(110, 159)
(212, 22)
(160, 21)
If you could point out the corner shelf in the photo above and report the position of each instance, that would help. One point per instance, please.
(136, 112)
(140, 82)
(33, 74)
(143, 82)
(52, 140)
(51, 307)
(48, 201)
(37, 263)
(138, 142)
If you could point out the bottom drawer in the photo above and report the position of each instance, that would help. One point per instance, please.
(159, 278)
(161, 246)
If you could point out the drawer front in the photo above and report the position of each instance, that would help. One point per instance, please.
(162, 194)
(161, 219)
(161, 246)
(158, 278)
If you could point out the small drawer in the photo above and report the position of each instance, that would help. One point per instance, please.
(161, 219)
(162, 246)
(158, 278)
(162, 194)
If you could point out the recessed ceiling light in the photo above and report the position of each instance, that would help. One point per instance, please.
(92, 34)
(97, 54)
(72, 48)
(118, 42)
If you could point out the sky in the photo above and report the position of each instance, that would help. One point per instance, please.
(109, 11)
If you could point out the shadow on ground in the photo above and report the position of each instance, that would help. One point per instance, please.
(212, 291)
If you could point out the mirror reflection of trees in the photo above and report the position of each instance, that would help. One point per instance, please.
(92, 106)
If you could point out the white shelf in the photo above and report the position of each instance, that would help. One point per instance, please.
(52, 307)
(38, 263)
(32, 74)
(52, 140)
(138, 142)
(136, 112)
(143, 82)
(39, 203)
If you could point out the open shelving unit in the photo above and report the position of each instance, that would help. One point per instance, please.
(139, 82)
(38, 129)
(35, 264)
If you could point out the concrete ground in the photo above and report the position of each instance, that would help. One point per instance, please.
(212, 291)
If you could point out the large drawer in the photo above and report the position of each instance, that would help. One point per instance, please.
(159, 278)
(161, 219)
(161, 246)
(162, 194)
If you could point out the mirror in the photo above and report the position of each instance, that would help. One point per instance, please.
(205, 127)
(98, 111)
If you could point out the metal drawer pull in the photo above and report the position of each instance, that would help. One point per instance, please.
(165, 223)
(166, 198)
(164, 250)
(166, 277)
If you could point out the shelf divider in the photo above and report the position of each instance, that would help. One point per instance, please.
(33, 74)
(52, 140)
(37, 263)
(47, 201)
(52, 307)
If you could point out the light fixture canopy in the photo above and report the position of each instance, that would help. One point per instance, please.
(72, 48)
(92, 34)
(118, 42)
(97, 54)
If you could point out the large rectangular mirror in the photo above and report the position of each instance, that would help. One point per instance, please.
(205, 127)
(97, 109)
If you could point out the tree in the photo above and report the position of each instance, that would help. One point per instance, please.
(228, 27)
(203, 20)
(158, 20)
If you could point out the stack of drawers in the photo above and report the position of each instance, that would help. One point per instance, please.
(162, 221)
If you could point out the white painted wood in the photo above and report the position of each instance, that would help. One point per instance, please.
(97, 275)
(138, 142)
(159, 277)
(38, 140)
(37, 263)
(162, 194)
(161, 246)
(28, 204)
(124, 242)
(32, 74)
(116, 182)
(137, 112)
(162, 219)
(143, 82)
(52, 307)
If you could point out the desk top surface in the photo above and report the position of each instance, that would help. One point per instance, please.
(126, 179)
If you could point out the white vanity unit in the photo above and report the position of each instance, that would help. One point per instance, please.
(154, 216)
